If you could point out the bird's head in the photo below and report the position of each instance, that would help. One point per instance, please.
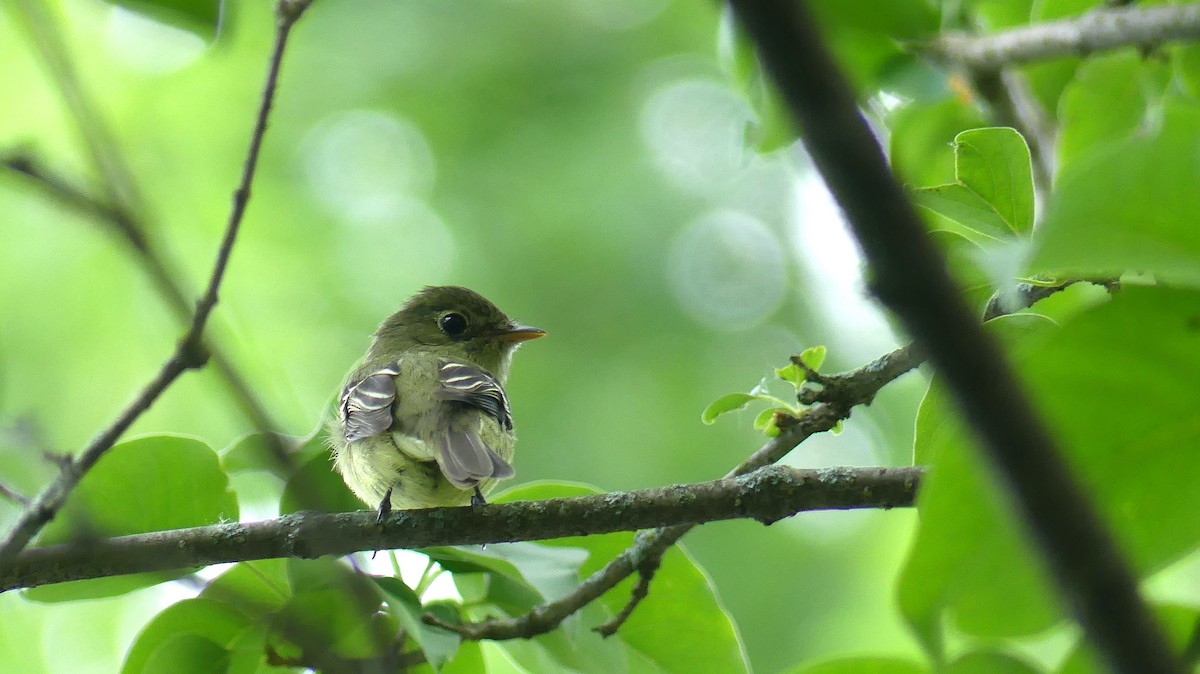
(456, 322)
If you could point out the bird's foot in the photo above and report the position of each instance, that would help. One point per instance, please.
(477, 499)
(385, 508)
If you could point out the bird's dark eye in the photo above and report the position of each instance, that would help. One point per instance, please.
(453, 324)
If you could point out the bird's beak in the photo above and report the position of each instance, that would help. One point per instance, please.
(519, 333)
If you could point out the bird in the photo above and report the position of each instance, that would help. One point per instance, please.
(423, 419)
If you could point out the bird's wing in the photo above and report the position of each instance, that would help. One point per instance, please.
(472, 386)
(366, 405)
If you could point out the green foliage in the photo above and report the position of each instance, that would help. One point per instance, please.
(1129, 205)
(766, 421)
(992, 196)
(970, 558)
(987, 211)
(150, 484)
(682, 627)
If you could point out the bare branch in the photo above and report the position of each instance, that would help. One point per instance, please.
(1095, 31)
(189, 354)
(910, 277)
(766, 495)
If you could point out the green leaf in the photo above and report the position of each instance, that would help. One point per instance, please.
(965, 261)
(865, 35)
(332, 607)
(438, 645)
(791, 373)
(552, 571)
(252, 452)
(316, 486)
(994, 163)
(992, 197)
(153, 483)
(970, 558)
(1178, 621)
(765, 417)
(963, 212)
(813, 357)
(861, 665)
(198, 16)
(188, 654)
(258, 588)
(1106, 102)
(1187, 68)
(1130, 205)
(726, 403)
(989, 662)
(920, 134)
(683, 628)
(468, 660)
(215, 622)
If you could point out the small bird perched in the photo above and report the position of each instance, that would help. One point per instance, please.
(423, 420)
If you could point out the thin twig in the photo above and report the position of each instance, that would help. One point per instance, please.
(766, 495)
(910, 277)
(13, 495)
(189, 354)
(652, 545)
(640, 591)
(1094, 31)
(132, 232)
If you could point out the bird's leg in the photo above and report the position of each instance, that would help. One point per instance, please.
(477, 499)
(385, 507)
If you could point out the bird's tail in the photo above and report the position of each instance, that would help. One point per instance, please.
(466, 460)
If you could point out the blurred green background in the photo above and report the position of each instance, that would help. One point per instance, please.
(583, 163)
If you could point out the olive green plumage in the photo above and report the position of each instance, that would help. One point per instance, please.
(423, 420)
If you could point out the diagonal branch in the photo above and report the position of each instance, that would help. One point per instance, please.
(98, 140)
(832, 405)
(133, 232)
(910, 277)
(190, 353)
(119, 207)
(766, 495)
(1095, 31)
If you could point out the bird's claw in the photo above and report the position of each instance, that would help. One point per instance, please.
(385, 508)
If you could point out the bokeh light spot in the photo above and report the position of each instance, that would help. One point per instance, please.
(363, 164)
(696, 131)
(727, 270)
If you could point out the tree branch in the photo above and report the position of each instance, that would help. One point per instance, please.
(832, 404)
(190, 352)
(910, 277)
(766, 495)
(1095, 31)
